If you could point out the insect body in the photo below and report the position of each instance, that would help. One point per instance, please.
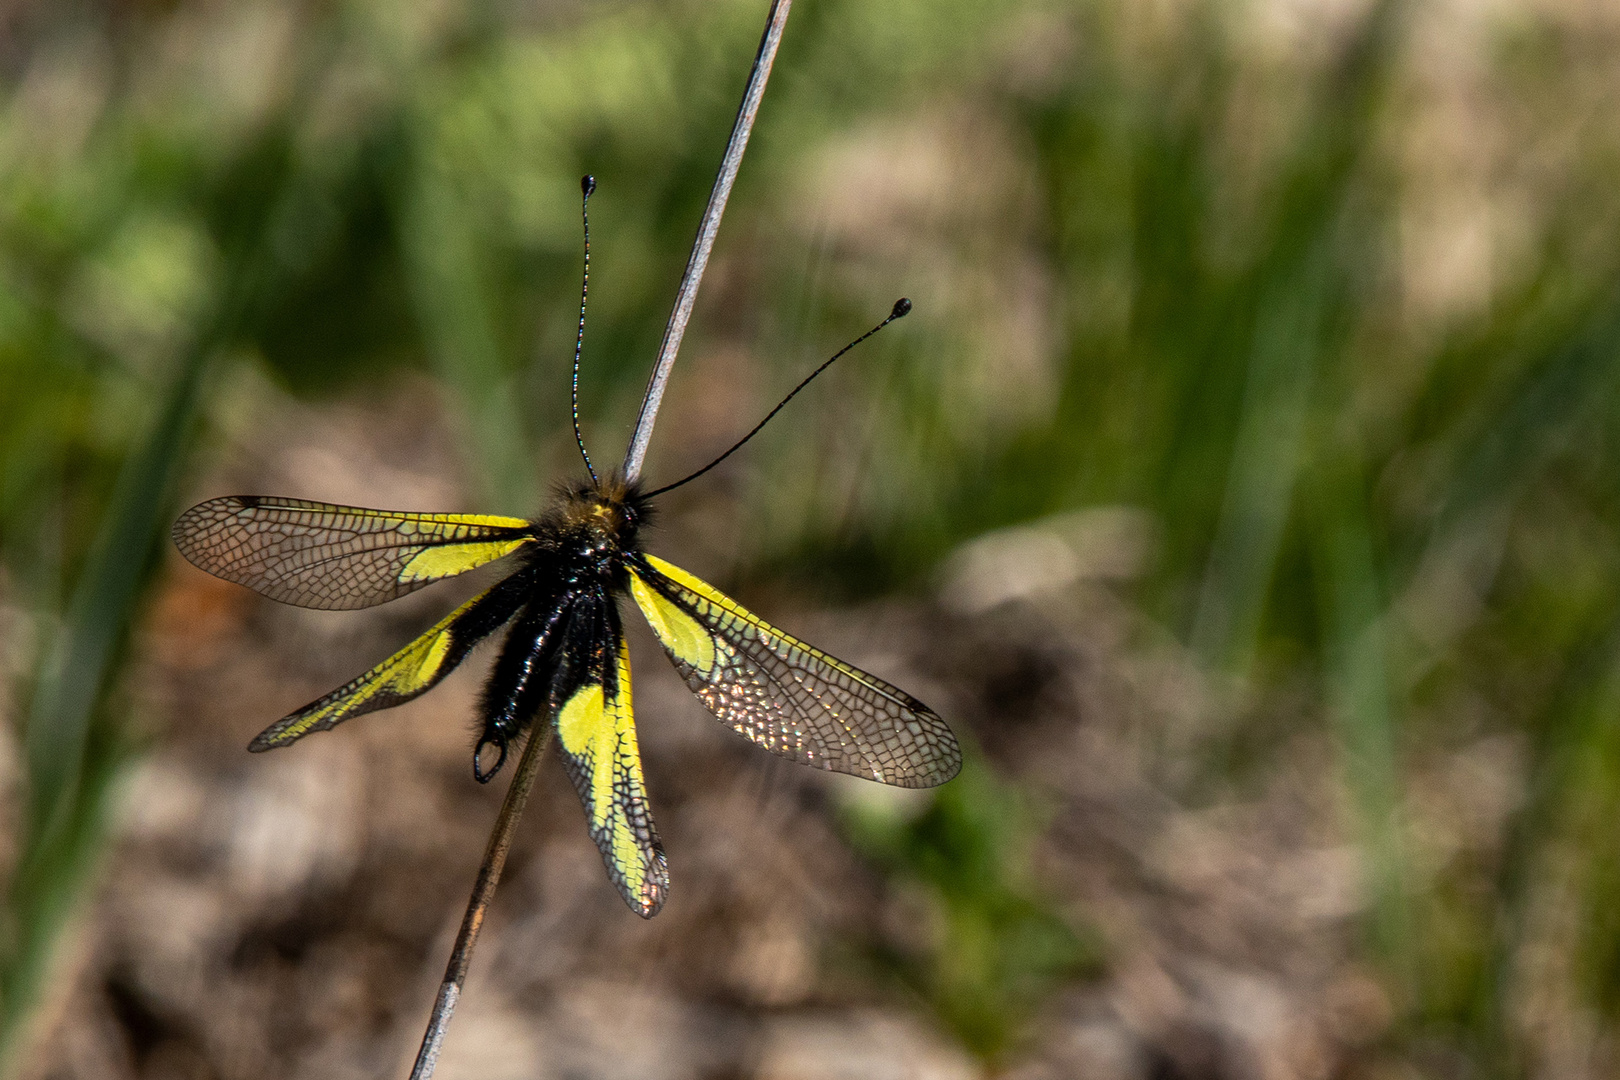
(564, 657)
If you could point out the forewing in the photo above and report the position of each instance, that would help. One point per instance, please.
(412, 671)
(317, 555)
(596, 731)
(790, 698)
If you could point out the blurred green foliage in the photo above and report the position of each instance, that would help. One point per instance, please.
(993, 947)
(1157, 262)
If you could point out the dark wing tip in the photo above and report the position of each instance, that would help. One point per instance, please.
(270, 738)
(655, 890)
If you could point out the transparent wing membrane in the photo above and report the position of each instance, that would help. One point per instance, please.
(317, 555)
(786, 696)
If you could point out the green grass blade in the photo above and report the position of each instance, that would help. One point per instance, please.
(68, 769)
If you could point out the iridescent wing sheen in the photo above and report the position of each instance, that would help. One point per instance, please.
(317, 555)
(596, 731)
(411, 671)
(789, 697)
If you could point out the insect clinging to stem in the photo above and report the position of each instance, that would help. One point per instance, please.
(564, 656)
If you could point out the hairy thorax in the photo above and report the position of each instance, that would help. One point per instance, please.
(590, 530)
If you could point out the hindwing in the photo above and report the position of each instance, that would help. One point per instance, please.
(596, 732)
(411, 671)
(317, 555)
(789, 697)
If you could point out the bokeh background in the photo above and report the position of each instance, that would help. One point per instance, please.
(1245, 490)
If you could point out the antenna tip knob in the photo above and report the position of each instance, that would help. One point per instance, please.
(902, 308)
(587, 184)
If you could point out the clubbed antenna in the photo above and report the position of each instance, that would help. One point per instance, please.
(902, 308)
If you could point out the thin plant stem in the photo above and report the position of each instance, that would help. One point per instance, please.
(500, 839)
(687, 294)
(489, 875)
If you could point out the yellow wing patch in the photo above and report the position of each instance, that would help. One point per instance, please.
(596, 729)
(784, 695)
(434, 563)
(687, 641)
(318, 555)
(582, 722)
